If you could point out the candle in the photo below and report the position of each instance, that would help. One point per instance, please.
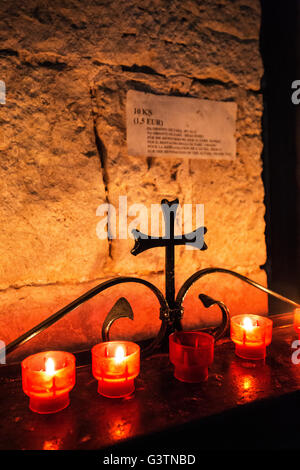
(115, 365)
(251, 334)
(191, 352)
(47, 379)
(297, 321)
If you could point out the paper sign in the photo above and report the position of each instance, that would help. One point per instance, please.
(171, 126)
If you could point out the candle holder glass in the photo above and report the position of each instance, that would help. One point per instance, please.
(191, 352)
(251, 335)
(48, 391)
(116, 374)
(297, 321)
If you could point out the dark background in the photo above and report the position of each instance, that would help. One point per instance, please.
(280, 41)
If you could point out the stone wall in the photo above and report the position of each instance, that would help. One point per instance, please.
(67, 67)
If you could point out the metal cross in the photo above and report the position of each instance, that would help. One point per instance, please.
(170, 307)
(145, 242)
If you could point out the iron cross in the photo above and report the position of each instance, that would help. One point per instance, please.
(145, 242)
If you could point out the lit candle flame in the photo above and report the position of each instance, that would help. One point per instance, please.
(50, 366)
(119, 355)
(247, 324)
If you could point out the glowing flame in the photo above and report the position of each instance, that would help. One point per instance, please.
(119, 355)
(247, 382)
(55, 444)
(247, 324)
(50, 366)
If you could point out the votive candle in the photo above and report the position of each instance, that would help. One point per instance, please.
(191, 352)
(115, 365)
(47, 379)
(251, 335)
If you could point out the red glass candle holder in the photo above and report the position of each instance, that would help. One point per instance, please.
(297, 321)
(251, 335)
(47, 378)
(115, 365)
(191, 352)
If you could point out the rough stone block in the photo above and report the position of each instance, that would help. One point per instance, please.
(67, 68)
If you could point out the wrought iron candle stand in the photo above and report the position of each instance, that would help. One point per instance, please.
(171, 306)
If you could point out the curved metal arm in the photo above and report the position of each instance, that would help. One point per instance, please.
(166, 315)
(121, 309)
(76, 303)
(219, 331)
(203, 272)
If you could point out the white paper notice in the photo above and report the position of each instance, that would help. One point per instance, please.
(171, 126)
